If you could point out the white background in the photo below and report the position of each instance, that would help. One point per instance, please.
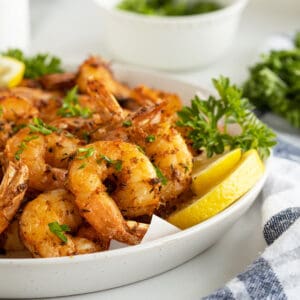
(72, 29)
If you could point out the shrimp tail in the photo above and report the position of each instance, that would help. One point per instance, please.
(108, 227)
(12, 190)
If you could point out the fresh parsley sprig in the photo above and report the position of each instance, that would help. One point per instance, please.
(207, 122)
(37, 65)
(59, 230)
(71, 107)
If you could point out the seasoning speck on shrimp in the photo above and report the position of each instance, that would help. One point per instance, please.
(111, 178)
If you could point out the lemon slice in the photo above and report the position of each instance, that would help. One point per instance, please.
(209, 172)
(11, 71)
(248, 171)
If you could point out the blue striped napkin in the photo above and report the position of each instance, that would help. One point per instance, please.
(276, 273)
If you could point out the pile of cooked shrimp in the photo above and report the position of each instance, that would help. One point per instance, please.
(86, 159)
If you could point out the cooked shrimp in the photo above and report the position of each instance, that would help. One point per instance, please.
(15, 111)
(47, 102)
(10, 239)
(60, 149)
(163, 144)
(170, 155)
(54, 206)
(108, 178)
(95, 68)
(12, 190)
(46, 157)
(104, 100)
(146, 96)
(58, 81)
(104, 109)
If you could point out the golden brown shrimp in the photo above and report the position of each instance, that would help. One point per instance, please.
(151, 129)
(47, 102)
(15, 112)
(95, 68)
(108, 178)
(10, 241)
(104, 109)
(54, 206)
(146, 96)
(46, 157)
(170, 154)
(104, 101)
(60, 149)
(12, 190)
(58, 81)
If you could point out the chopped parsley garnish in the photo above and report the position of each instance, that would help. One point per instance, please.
(204, 121)
(117, 164)
(59, 230)
(71, 107)
(127, 123)
(160, 175)
(23, 145)
(85, 152)
(39, 126)
(150, 138)
(37, 65)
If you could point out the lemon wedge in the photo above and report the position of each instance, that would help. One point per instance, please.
(11, 71)
(240, 180)
(209, 172)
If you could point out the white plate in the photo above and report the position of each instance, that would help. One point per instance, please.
(29, 278)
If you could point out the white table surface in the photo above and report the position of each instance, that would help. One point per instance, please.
(72, 29)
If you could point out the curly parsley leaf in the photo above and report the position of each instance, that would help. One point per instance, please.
(38, 65)
(71, 107)
(207, 122)
(59, 230)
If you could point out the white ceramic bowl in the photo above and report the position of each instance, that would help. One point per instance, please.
(170, 43)
(49, 277)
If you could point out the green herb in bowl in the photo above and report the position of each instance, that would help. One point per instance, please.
(169, 7)
(274, 83)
